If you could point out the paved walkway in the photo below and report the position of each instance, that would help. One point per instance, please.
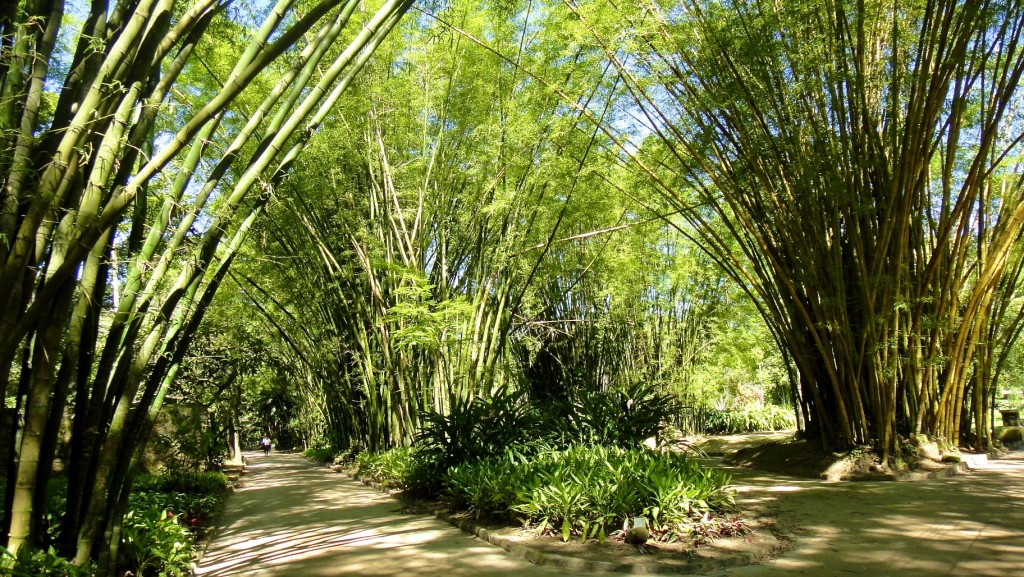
(293, 518)
(968, 525)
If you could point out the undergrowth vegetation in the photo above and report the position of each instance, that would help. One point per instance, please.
(167, 515)
(577, 469)
(590, 490)
(321, 452)
(584, 491)
(750, 420)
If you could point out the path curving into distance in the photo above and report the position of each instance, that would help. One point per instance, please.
(294, 518)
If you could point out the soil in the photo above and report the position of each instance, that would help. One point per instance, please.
(803, 458)
(757, 544)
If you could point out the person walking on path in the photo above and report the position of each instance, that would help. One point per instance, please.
(265, 445)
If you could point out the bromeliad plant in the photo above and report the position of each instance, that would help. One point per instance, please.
(472, 429)
(155, 542)
(478, 427)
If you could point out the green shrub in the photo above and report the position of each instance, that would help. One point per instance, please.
(321, 451)
(154, 542)
(392, 469)
(195, 511)
(768, 418)
(622, 417)
(192, 497)
(322, 455)
(487, 487)
(477, 427)
(34, 562)
(197, 482)
(166, 514)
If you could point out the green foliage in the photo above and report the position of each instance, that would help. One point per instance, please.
(166, 515)
(195, 511)
(320, 452)
(392, 469)
(767, 418)
(478, 427)
(622, 417)
(492, 426)
(205, 483)
(587, 490)
(487, 494)
(583, 491)
(34, 563)
(154, 542)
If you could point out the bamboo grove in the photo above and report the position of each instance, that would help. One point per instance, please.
(549, 196)
(856, 166)
(139, 146)
(445, 267)
(857, 178)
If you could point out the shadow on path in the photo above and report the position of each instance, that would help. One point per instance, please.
(968, 525)
(294, 518)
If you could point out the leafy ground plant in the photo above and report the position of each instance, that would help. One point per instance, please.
(321, 452)
(35, 562)
(167, 514)
(154, 542)
(192, 497)
(588, 491)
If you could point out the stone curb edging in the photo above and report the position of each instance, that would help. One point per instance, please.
(537, 557)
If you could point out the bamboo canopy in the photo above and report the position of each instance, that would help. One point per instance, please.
(135, 181)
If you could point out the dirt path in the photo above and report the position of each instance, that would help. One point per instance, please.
(292, 518)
